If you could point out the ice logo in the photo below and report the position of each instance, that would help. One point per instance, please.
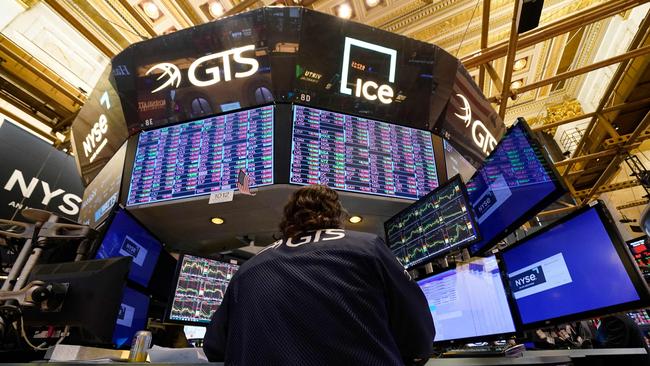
(480, 134)
(171, 71)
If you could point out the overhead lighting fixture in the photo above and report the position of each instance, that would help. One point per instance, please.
(355, 219)
(217, 220)
(216, 9)
(517, 84)
(344, 11)
(520, 64)
(372, 3)
(151, 10)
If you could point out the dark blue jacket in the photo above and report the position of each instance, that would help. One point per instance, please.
(334, 297)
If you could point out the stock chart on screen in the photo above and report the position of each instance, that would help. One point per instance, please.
(361, 155)
(439, 222)
(204, 156)
(199, 290)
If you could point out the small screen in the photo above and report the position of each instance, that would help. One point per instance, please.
(571, 268)
(204, 156)
(469, 301)
(132, 316)
(199, 290)
(456, 163)
(361, 155)
(126, 237)
(102, 193)
(640, 251)
(640, 317)
(438, 222)
(513, 182)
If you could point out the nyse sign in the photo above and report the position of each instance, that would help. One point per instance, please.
(171, 74)
(480, 134)
(96, 140)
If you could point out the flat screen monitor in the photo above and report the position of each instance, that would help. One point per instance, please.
(468, 303)
(640, 250)
(199, 157)
(198, 289)
(576, 268)
(641, 317)
(356, 154)
(126, 237)
(456, 163)
(516, 181)
(102, 194)
(437, 223)
(131, 318)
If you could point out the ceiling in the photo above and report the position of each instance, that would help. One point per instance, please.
(581, 77)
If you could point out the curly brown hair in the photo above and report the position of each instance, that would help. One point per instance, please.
(311, 208)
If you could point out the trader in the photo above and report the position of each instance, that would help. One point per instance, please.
(321, 296)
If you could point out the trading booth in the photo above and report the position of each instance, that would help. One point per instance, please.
(191, 143)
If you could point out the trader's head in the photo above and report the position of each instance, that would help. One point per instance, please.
(311, 208)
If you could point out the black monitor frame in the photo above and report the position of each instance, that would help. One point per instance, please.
(455, 179)
(560, 189)
(485, 338)
(174, 284)
(621, 249)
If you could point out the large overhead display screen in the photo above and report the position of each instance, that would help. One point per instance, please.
(361, 155)
(438, 222)
(514, 184)
(204, 156)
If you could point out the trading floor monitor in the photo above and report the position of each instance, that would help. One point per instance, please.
(516, 181)
(468, 303)
(125, 236)
(199, 287)
(437, 223)
(576, 268)
(640, 250)
(131, 318)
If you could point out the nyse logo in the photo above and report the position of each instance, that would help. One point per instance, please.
(96, 139)
(480, 134)
(172, 73)
(532, 277)
(71, 201)
(369, 90)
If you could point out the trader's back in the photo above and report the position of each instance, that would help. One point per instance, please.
(324, 297)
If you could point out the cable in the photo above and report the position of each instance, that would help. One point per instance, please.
(24, 335)
(466, 29)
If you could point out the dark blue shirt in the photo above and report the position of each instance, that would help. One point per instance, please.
(334, 297)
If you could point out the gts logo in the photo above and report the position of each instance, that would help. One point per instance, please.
(318, 235)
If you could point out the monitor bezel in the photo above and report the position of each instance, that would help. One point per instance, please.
(476, 339)
(172, 288)
(559, 191)
(136, 144)
(455, 179)
(290, 160)
(623, 253)
(106, 225)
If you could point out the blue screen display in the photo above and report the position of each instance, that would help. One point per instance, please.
(126, 237)
(131, 317)
(513, 180)
(469, 301)
(569, 269)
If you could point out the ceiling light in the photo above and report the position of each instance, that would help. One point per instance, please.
(520, 64)
(216, 9)
(217, 220)
(517, 84)
(355, 219)
(151, 9)
(372, 3)
(344, 11)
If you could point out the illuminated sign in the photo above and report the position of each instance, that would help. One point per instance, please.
(480, 134)
(369, 90)
(71, 201)
(96, 139)
(173, 74)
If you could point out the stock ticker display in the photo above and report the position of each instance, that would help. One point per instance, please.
(203, 156)
(439, 222)
(200, 287)
(361, 155)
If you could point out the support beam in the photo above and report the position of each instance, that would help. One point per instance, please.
(552, 30)
(240, 7)
(622, 139)
(510, 58)
(485, 28)
(496, 80)
(189, 11)
(618, 107)
(641, 202)
(610, 188)
(139, 17)
(579, 159)
(559, 211)
(28, 126)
